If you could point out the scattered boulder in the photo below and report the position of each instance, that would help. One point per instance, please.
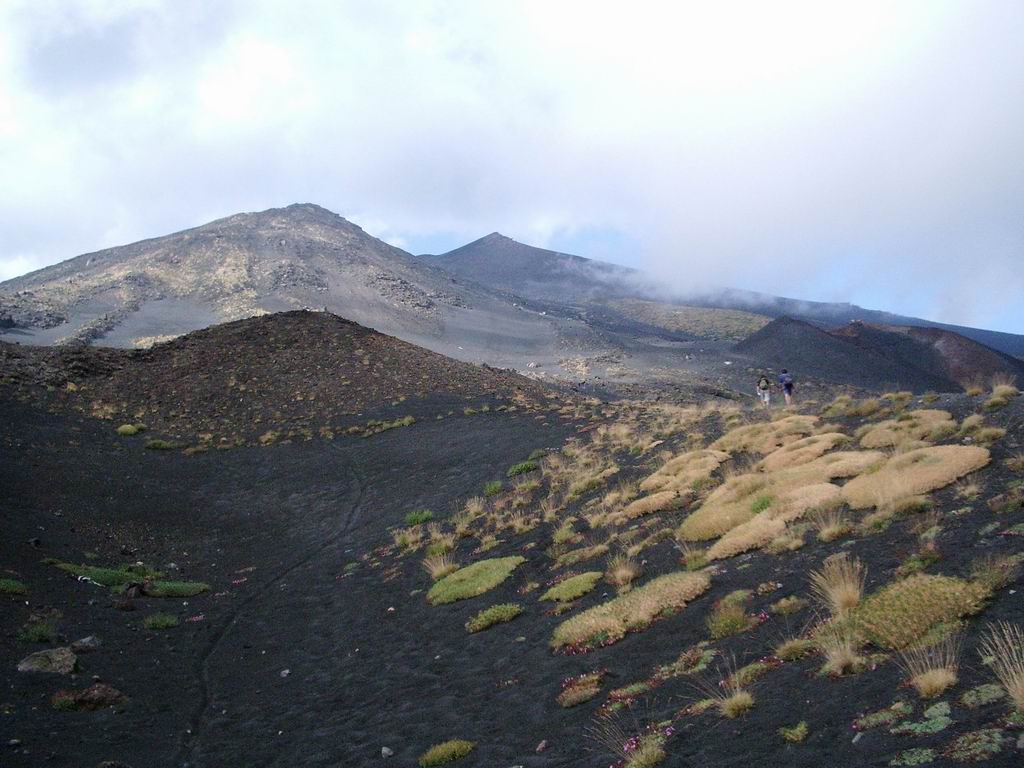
(59, 661)
(86, 644)
(386, 752)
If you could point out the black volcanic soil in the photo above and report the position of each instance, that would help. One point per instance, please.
(271, 529)
(297, 658)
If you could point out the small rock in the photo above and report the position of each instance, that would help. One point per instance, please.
(60, 661)
(86, 644)
(36, 542)
(386, 752)
(113, 764)
(14, 743)
(1020, 742)
(542, 746)
(96, 696)
(124, 604)
(285, 672)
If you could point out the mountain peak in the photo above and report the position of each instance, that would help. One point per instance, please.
(495, 237)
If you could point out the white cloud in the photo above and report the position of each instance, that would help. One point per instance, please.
(801, 148)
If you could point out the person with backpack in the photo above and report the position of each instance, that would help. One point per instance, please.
(764, 390)
(786, 380)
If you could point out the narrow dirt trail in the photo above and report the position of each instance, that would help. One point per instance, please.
(192, 738)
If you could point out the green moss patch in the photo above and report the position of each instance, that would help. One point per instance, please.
(419, 516)
(521, 468)
(988, 693)
(496, 614)
(111, 577)
(446, 752)
(12, 587)
(916, 756)
(976, 746)
(936, 718)
(176, 588)
(573, 588)
(160, 621)
(887, 716)
(472, 580)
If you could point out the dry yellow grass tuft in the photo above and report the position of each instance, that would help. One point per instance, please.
(926, 424)
(728, 505)
(933, 667)
(839, 584)
(913, 473)
(1004, 644)
(973, 386)
(765, 437)
(840, 464)
(793, 490)
(802, 451)
(609, 622)
(656, 502)
(735, 704)
(439, 566)
(831, 523)
(770, 523)
(621, 570)
(683, 471)
(840, 646)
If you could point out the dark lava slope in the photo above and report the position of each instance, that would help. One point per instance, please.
(876, 357)
(291, 374)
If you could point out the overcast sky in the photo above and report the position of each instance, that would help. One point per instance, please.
(860, 151)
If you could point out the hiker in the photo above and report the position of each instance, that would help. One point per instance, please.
(786, 380)
(764, 390)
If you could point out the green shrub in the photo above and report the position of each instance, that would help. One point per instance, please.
(12, 587)
(796, 733)
(761, 503)
(161, 445)
(537, 454)
(496, 614)
(493, 488)
(573, 588)
(906, 611)
(446, 752)
(419, 516)
(38, 631)
(160, 621)
(729, 615)
(127, 430)
(521, 468)
(472, 580)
